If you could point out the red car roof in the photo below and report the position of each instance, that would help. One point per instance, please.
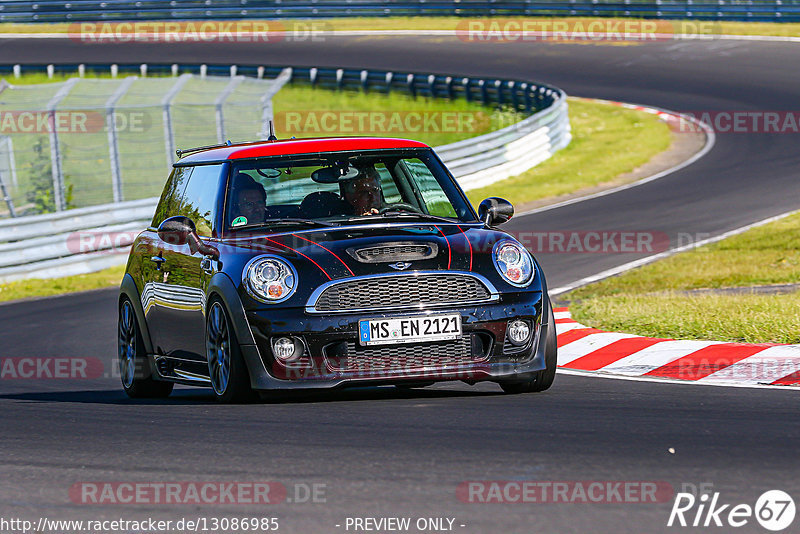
(299, 146)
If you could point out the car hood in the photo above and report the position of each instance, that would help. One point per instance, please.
(348, 251)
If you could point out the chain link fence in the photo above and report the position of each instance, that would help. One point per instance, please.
(85, 142)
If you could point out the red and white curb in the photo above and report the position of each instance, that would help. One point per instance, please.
(581, 348)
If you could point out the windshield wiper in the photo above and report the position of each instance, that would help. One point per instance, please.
(426, 216)
(285, 221)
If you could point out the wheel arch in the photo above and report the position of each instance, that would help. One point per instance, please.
(222, 287)
(128, 289)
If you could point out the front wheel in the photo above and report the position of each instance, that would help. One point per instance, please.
(133, 367)
(226, 368)
(541, 380)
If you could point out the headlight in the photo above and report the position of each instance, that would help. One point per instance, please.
(269, 279)
(513, 263)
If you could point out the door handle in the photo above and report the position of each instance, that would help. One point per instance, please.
(207, 264)
(158, 260)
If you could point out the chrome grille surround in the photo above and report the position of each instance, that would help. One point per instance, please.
(413, 290)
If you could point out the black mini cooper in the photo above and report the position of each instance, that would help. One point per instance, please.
(323, 263)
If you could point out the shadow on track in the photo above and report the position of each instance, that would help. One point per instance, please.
(200, 396)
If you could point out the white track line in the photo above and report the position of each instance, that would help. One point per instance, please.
(649, 259)
(711, 139)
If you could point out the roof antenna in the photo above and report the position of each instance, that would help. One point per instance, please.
(272, 136)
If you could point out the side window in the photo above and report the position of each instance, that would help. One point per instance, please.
(436, 200)
(199, 199)
(391, 195)
(171, 197)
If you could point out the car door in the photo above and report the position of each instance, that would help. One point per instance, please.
(180, 281)
(150, 249)
(184, 280)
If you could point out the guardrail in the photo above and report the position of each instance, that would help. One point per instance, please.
(89, 10)
(89, 239)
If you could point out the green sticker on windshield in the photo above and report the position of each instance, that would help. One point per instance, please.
(239, 221)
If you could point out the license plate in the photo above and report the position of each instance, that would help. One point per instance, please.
(409, 329)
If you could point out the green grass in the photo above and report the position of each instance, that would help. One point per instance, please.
(607, 141)
(732, 318)
(651, 300)
(451, 23)
(58, 286)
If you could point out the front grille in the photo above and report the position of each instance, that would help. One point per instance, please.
(397, 291)
(395, 252)
(348, 357)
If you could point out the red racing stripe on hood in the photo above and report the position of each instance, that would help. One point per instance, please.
(468, 243)
(328, 250)
(449, 253)
(298, 252)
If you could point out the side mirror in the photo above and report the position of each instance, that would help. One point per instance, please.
(180, 230)
(495, 210)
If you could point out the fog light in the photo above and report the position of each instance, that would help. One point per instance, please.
(284, 349)
(519, 332)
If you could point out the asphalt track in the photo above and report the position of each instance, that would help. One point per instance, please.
(386, 453)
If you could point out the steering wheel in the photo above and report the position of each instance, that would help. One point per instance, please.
(399, 206)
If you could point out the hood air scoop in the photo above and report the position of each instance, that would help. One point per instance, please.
(392, 252)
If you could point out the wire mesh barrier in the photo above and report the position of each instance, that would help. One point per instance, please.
(87, 239)
(84, 142)
(88, 10)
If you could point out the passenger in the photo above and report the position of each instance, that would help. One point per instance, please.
(363, 192)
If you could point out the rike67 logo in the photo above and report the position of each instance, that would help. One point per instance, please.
(774, 510)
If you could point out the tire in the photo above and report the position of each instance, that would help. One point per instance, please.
(230, 379)
(134, 369)
(541, 380)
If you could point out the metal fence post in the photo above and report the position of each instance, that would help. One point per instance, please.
(220, 101)
(7, 197)
(266, 100)
(8, 152)
(12, 164)
(59, 189)
(166, 103)
(113, 140)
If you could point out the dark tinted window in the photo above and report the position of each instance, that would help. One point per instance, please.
(199, 199)
(170, 199)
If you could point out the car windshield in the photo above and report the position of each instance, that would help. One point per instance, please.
(334, 188)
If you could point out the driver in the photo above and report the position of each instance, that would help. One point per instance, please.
(363, 192)
(249, 201)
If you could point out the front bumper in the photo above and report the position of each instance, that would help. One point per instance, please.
(333, 357)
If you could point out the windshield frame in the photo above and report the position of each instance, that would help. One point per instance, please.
(427, 155)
